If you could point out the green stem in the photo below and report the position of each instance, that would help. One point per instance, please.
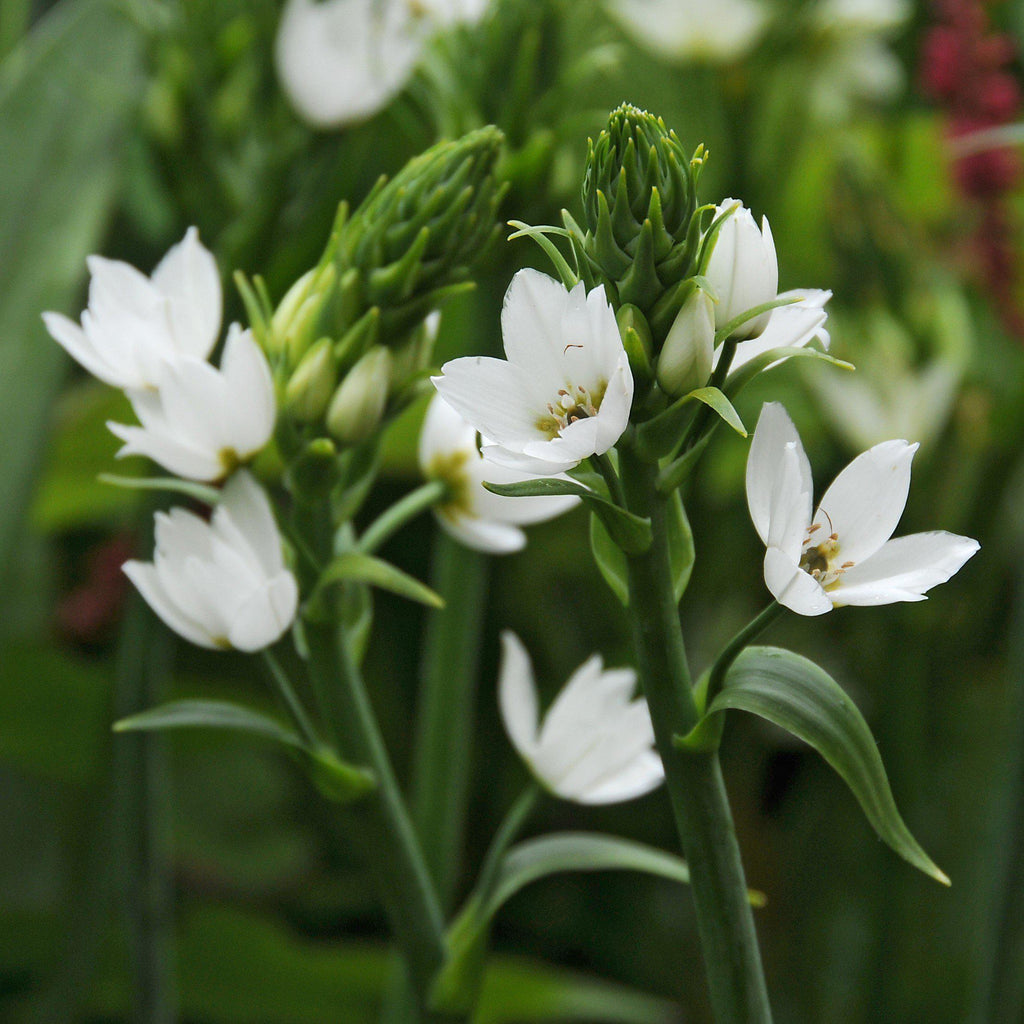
(750, 632)
(402, 512)
(14, 22)
(510, 827)
(446, 715)
(693, 779)
(290, 698)
(611, 478)
(380, 824)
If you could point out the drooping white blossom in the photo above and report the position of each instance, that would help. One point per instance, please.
(134, 324)
(200, 422)
(476, 517)
(840, 554)
(564, 392)
(221, 584)
(743, 269)
(692, 30)
(596, 743)
(341, 61)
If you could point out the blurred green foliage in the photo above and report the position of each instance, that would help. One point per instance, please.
(120, 125)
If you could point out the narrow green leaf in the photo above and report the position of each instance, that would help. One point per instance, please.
(201, 492)
(337, 780)
(658, 436)
(611, 561)
(540, 235)
(356, 567)
(749, 314)
(742, 376)
(209, 714)
(67, 97)
(795, 694)
(630, 532)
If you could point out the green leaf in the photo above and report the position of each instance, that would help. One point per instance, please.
(210, 714)
(540, 235)
(658, 436)
(356, 567)
(749, 314)
(458, 981)
(612, 564)
(67, 98)
(798, 696)
(741, 377)
(630, 532)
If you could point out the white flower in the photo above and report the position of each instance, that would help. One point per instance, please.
(473, 515)
(841, 554)
(681, 29)
(200, 422)
(793, 326)
(342, 60)
(743, 270)
(566, 389)
(596, 743)
(136, 323)
(221, 584)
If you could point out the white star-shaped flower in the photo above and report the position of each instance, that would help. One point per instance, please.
(596, 743)
(221, 584)
(476, 517)
(200, 422)
(564, 392)
(134, 324)
(840, 554)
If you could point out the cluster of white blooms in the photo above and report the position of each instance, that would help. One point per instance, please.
(340, 61)
(221, 584)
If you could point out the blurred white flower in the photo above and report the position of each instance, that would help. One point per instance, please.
(221, 584)
(134, 324)
(595, 745)
(692, 29)
(200, 422)
(743, 269)
(565, 391)
(473, 515)
(343, 60)
(842, 553)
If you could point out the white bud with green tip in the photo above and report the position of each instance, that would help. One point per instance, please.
(686, 356)
(311, 385)
(358, 405)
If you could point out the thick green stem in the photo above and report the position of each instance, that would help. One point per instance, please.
(446, 710)
(380, 824)
(694, 780)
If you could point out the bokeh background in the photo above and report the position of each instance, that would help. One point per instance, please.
(883, 140)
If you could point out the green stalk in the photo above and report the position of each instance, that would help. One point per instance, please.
(446, 705)
(425, 496)
(694, 779)
(750, 632)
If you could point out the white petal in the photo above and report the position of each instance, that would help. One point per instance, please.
(493, 396)
(250, 405)
(792, 587)
(488, 536)
(778, 479)
(148, 584)
(265, 615)
(905, 568)
(517, 695)
(643, 774)
(247, 505)
(613, 416)
(177, 458)
(540, 459)
(793, 326)
(864, 504)
(189, 278)
(519, 511)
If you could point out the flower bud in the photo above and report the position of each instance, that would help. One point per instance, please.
(743, 270)
(312, 384)
(297, 317)
(685, 360)
(358, 405)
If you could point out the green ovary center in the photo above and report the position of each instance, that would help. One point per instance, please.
(821, 561)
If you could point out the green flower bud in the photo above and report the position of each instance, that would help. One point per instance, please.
(686, 356)
(313, 473)
(410, 244)
(358, 404)
(312, 384)
(296, 320)
(636, 339)
(639, 198)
